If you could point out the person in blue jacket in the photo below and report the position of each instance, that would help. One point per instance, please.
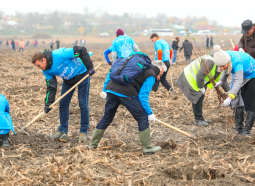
(71, 64)
(123, 46)
(135, 97)
(106, 53)
(5, 122)
(242, 65)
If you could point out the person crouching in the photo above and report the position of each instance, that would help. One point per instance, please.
(135, 97)
(5, 122)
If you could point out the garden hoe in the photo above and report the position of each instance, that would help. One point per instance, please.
(178, 130)
(40, 115)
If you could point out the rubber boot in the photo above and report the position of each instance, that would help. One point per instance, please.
(239, 118)
(145, 137)
(6, 144)
(249, 123)
(97, 135)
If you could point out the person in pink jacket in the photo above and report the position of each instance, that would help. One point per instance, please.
(21, 46)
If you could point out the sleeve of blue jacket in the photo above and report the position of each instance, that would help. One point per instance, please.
(108, 51)
(144, 94)
(107, 80)
(7, 107)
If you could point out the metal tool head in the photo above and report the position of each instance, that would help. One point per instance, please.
(25, 130)
(193, 137)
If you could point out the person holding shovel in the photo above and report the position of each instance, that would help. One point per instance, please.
(242, 65)
(71, 64)
(194, 81)
(162, 52)
(133, 92)
(5, 122)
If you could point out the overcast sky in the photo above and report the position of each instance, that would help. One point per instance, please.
(225, 12)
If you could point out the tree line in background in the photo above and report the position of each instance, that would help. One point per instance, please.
(66, 23)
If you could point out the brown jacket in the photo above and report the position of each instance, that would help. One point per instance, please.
(248, 43)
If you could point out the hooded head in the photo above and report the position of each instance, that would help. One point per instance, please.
(119, 32)
(221, 57)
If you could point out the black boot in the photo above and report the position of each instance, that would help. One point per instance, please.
(239, 118)
(6, 144)
(249, 123)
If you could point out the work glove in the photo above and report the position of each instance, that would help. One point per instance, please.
(241, 50)
(226, 102)
(110, 63)
(103, 95)
(219, 83)
(47, 109)
(152, 117)
(91, 71)
(202, 90)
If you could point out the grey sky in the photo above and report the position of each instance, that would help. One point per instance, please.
(225, 12)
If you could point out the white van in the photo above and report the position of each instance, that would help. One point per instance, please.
(204, 32)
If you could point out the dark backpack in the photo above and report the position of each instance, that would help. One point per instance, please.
(125, 70)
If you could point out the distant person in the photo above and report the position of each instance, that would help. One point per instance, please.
(51, 45)
(187, 50)
(207, 42)
(13, 45)
(43, 43)
(21, 46)
(58, 43)
(175, 48)
(17, 43)
(123, 46)
(76, 43)
(211, 42)
(163, 52)
(247, 41)
(7, 43)
(1, 42)
(27, 43)
(106, 53)
(82, 42)
(34, 43)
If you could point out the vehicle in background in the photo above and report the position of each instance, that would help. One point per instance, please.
(145, 33)
(204, 32)
(104, 34)
(135, 34)
(161, 32)
(185, 33)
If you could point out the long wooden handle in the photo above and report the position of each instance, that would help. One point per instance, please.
(232, 43)
(177, 130)
(79, 82)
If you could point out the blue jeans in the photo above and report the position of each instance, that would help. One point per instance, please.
(13, 48)
(175, 55)
(22, 49)
(83, 96)
(132, 104)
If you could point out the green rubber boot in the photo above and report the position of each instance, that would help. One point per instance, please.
(145, 137)
(97, 135)
(6, 144)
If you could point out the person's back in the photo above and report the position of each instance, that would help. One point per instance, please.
(21, 44)
(13, 43)
(164, 46)
(187, 48)
(123, 45)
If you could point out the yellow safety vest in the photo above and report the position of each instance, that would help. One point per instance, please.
(191, 70)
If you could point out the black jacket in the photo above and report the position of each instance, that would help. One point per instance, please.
(187, 48)
(175, 45)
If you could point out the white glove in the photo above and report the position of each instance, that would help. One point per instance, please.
(103, 95)
(226, 102)
(152, 117)
(202, 90)
(219, 83)
(241, 50)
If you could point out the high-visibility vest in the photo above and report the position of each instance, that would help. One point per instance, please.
(191, 70)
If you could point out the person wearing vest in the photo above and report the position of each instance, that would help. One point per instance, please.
(5, 122)
(71, 64)
(106, 53)
(135, 97)
(242, 65)
(123, 46)
(162, 52)
(194, 80)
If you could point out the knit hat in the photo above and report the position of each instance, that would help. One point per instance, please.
(221, 57)
(119, 32)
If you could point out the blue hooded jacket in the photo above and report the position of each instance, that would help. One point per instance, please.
(5, 118)
(123, 45)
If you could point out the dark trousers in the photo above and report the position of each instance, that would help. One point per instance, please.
(188, 58)
(163, 80)
(13, 48)
(2, 136)
(51, 47)
(132, 104)
(57, 46)
(198, 108)
(83, 96)
(248, 92)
